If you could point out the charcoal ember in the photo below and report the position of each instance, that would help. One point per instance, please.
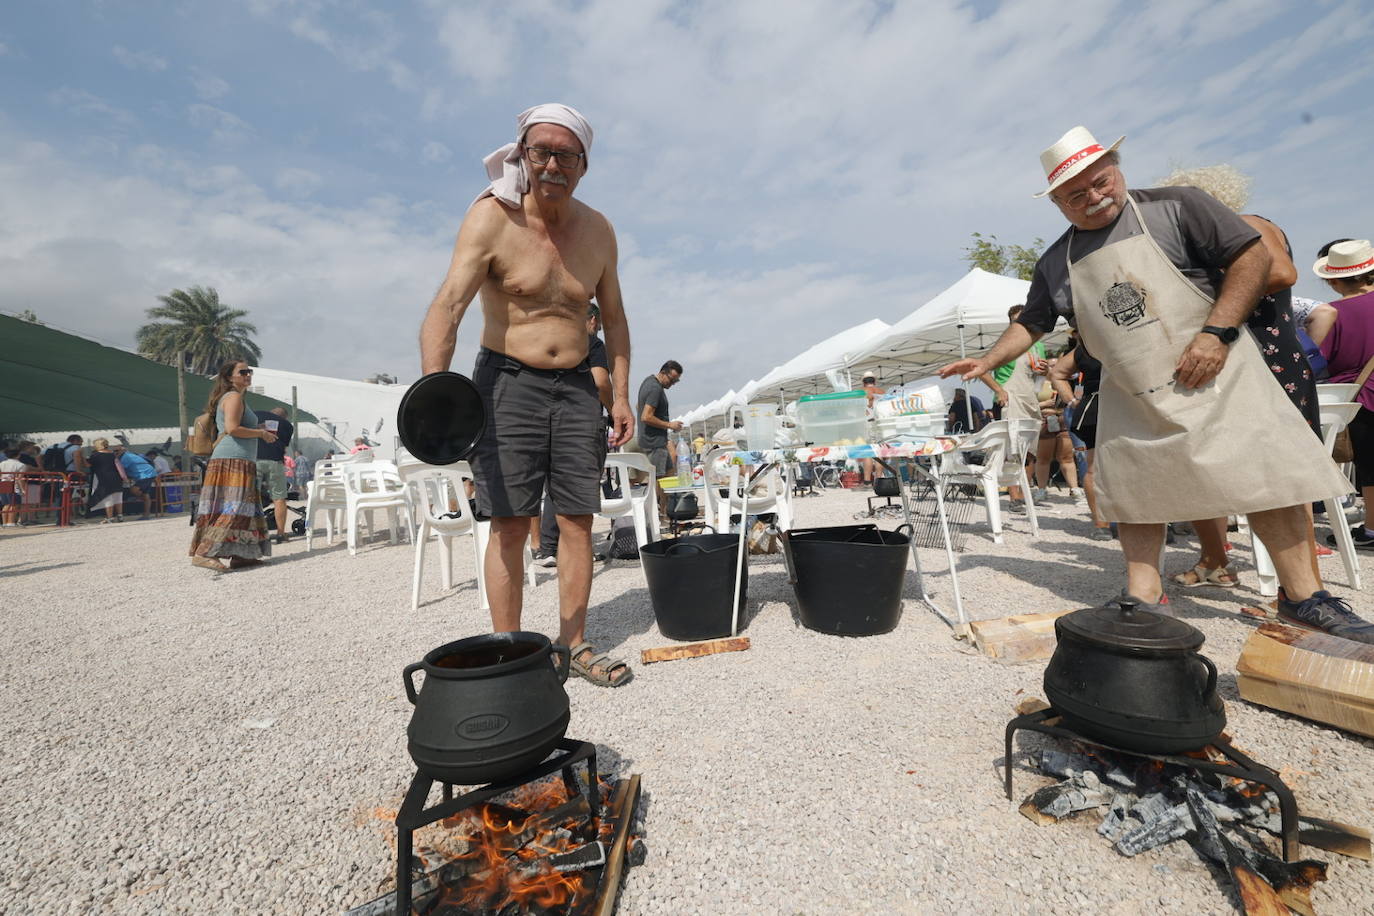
(1118, 777)
(1161, 822)
(1208, 839)
(1058, 763)
(1115, 820)
(588, 856)
(1064, 798)
(637, 852)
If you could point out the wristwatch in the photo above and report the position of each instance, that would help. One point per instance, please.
(1227, 335)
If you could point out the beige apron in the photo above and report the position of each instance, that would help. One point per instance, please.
(1022, 399)
(1168, 453)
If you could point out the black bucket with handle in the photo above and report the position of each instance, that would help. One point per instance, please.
(692, 584)
(848, 579)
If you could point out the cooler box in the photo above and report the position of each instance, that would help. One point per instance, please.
(834, 419)
(910, 412)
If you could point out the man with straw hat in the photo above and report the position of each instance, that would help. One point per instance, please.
(1191, 422)
(537, 256)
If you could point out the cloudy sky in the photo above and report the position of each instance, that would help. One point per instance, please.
(777, 171)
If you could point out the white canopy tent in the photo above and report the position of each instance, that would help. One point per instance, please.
(968, 317)
(806, 372)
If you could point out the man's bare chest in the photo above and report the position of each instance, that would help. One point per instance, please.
(528, 265)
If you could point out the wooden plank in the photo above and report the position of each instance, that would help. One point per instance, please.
(694, 650)
(623, 805)
(1334, 836)
(1029, 705)
(1309, 674)
(1020, 637)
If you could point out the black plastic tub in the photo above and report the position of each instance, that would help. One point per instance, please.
(692, 582)
(848, 579)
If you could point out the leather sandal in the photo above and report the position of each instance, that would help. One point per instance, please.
(1200, 576)
(609, 666)
(207, 563)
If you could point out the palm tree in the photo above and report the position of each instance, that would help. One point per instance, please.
(202, 329)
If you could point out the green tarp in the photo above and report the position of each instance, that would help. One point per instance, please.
(52, 382)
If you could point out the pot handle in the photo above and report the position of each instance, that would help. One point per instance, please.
(411, 695)
(566, 653)
(1211, 676)
(910, 529)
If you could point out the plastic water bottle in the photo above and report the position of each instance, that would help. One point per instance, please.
(684, 463)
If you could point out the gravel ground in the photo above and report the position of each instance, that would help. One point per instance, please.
(181, 742)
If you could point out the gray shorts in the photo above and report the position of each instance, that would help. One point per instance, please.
(658, 457)
(273, 475)
(543, 425)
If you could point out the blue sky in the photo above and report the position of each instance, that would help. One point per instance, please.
(776, 171)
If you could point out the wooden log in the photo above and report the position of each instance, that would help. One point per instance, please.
(1018, 638)
(1333, 836)
(1310, 674)
(1029, 705)
(694, 650)
(622, 806)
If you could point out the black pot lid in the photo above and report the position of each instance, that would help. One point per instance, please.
(1129, 626)
(441, 418)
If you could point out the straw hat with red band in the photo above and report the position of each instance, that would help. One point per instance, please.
(1346, 259)
(1071, 154)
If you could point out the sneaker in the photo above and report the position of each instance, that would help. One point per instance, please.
(1040, 495)
(1018, 506)
(1100, 534)
(1323, 551)
(1329, 614)
(545, 559)
(1080, 499)
(1357, 534)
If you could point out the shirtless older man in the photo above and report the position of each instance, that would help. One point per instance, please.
(537, 257)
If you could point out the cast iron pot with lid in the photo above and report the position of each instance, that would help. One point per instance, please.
(490, 707)
(1134, 679)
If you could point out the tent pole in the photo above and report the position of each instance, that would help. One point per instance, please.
(181, 401)
(963, 354)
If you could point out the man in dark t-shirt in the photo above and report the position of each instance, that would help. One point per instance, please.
(1138, 280)
(652, 411)
(272, 466)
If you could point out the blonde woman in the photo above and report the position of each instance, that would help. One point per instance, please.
(229, 519)
(107, 481)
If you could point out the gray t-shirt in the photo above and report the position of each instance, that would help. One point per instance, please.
(651, 392)
(1198, 233)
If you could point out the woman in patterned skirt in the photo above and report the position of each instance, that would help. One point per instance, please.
(229, 519)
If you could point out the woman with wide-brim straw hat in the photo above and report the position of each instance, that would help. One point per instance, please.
(1345, 331)
(229, 520)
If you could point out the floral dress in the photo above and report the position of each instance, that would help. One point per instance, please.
(1272, 324)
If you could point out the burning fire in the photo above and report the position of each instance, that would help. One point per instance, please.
(505, 864)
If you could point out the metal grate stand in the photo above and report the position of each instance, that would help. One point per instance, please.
(959, 505)
(1241, 767)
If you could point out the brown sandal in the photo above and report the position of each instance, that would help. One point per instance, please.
(207, 563)
(1200, 576)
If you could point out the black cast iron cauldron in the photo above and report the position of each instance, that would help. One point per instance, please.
(682, 507)
(1134, 679)
(490, 707)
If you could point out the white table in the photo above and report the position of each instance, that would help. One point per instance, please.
(903, 450)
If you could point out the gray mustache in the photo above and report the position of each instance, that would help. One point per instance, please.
(553, 178)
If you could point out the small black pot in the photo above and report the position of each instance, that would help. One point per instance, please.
(490, 707)
(1134, 679)
(682, 507)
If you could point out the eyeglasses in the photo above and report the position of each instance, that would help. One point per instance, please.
(540, 156)
(241, 372)
(1079, 199)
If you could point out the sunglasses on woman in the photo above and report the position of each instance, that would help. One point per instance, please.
(245, 372)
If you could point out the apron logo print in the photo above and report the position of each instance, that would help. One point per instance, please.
(1124, 304)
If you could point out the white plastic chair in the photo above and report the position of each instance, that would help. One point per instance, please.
(371, 486)
(324, 493)
(1004, 444)
(641, 505)
(1334, 418)
(776, 497)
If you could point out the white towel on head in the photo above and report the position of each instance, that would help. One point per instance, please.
(506, 167)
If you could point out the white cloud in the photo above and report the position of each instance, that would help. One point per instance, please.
(297, 182)
(435, 152)
(226, 129)
(81, 102)
(208, 86)
(138, 60)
